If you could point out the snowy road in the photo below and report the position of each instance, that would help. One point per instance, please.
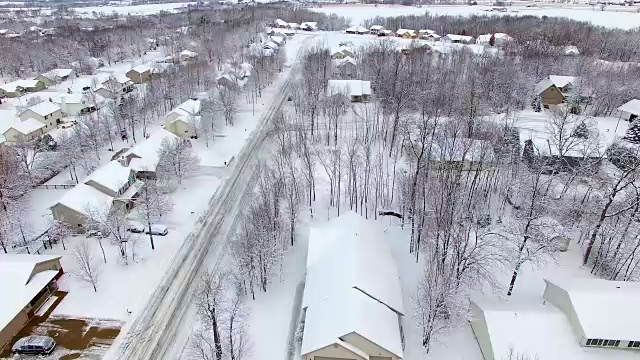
(159, 330)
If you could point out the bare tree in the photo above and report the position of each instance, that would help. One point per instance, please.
(176, 160)
(210, 302)
(87, 268)
(152, 203)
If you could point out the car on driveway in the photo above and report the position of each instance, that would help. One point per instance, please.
(136, 228)
(157, 229)
(34, 345)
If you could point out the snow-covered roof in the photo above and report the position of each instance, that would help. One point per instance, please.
(352, 87)
(272, 45)
(345, 60)
(188, 54)
(377, 27)
(350, 252)
(406, 31)
(281, 22)
(455, 37)
(571, 50)
(19, 283)
(77, 98)
(294, 25)
(542, 86)
(44, 108)
(190, 106)
(604, 309)
(562, 81)
(57, 73)
(23, 83)
(357, 29)
(347, 312)
(111, 175)
(278, 39)
(426, 31)
(146, 152)
(27, 126)
(632, 107)
(461, 149)
(141, 68)
(309, 24)
(525, 325)
(84, 199)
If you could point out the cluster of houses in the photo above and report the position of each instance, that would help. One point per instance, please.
(305, 26)
(493, 39)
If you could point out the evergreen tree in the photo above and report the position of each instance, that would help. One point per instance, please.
(528, 154)
(537, 107)
(581, 131)
(633, 133)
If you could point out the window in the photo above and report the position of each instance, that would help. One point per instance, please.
(600, 342)
(617, 343)
(588, 342)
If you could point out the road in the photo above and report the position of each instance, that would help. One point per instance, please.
(156, 332)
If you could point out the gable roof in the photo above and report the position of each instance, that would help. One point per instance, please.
(345, 60)
(145, 153)
(19, 283)
(57, 73)
(562, 81)
(44, 108)
(84, 198)
(111, 175)
(27, 126)
(351, 87)
(349, 253)
(358, 29)
(141, 68)
(350, 312)
(603, 308)
(23, 83)
(632, 107)
(456, 37)
(542, 85)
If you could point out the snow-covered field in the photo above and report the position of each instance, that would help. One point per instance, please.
(612, 19)
(146, 9)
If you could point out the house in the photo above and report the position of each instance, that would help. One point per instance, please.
(26, 130)
(143, 157)
(598, 310)
(116, 181)
(376, 29)
(356, 90)
(271, 45)
(183, 121)
(346, 67)
(78, 104)
(20, 87)
(424, 32)
(280, 23)
(578, 154)
(293, 26)
(230, 81)
(27, 282)
(117, 84)
(55, 76)
(464, 153)
(458, 39)
(278, 39)
(433, 37)
(352, 302)
(77, 205)
(139, 74)
(357, 30)
(309, 26)
(407, 33)
(341, 52)
(571, 50)
(521, 326)
(555, 89)
(187, 55)
(630, 110)
(46, 112)
(499, 39)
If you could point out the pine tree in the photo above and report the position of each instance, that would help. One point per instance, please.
(528, 153)
(581, 131)
(537, 107)
(633, 133)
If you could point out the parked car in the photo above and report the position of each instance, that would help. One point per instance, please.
(157, 229)
(136, 228)
(94, 233)
(34, 345)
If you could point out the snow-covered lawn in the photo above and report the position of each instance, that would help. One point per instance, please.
(147, 9)
(612, 19)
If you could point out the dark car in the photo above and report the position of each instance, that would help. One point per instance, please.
(34, 345)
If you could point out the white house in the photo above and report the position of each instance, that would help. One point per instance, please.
(352, 299)
(78, 104)
(375, 29)
(346, 67)
(117, 84)
(358, 30)
(598, 310)
(309, 26)
(46, 112)
(187, 55)
(499, 39)
(458, 39)
(630, 110)
(184, 120)
(356, 90)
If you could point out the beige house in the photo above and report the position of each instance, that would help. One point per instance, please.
(116, 85)
(24, 131)
(27, 282)
(352, 301)
(46, 112)
(184, 120)
(21, 87)
(77, 205)
(55, 76)
(630, 110)
(79, 104)
(555, 89)
(116, 181)
(139, 74)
